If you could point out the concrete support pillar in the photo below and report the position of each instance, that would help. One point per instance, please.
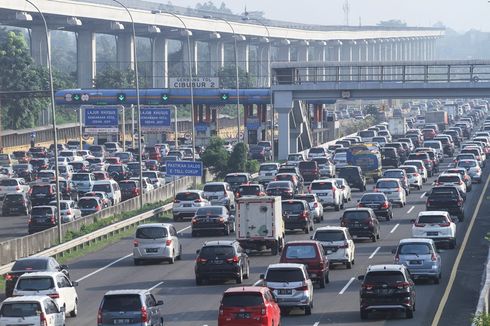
(217, 56)
(159, 53)
(125, 53)
(243, 50)
(86, 59)
(283, 104)
(284, 53)
(264, 54)
(320, 53)
(303, 49)
(39, 48)
(193, 57)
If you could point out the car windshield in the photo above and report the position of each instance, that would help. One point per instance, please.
(449, 178)
(236, 179)
(102, 187)
(409, 169)
(284, 275)
(279, 185)
(30, 264)
(321, 186)
(122, 302)
(80, 177)
(356, 215)
(414, 249)
(214, 188)
(242, 299)
(393, 174)
(327, 236)
(307, 198)
(13, 198)
(467, 164)
(115, 168)
(211, 252)
(308, 165)
(36, 190)
(317, 150)
(373, 197)
(444, 192)
(295, 157)
(384, 277)
(387, 184)
(432, 219)
(300, 251)
(150, 232)
(209, 211)
(8, 182)
(34, 283)
(268, 167)
(20, 309)
(292, 207)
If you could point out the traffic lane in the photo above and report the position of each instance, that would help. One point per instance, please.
(13, 227)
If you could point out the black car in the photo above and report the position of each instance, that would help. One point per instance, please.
(119, 172)
(446, 198)
(354, 177)
(296, 215)
(387, 288)
(223, 260)
(16, 204)
(29, 265)
(42, 194)
(39, 164)
(378, 202)
(67, 188)
(285, 189)
(42, 218)
(212, 218)
(400, 150)
(361, 223)
(389, 157)
(235, 180)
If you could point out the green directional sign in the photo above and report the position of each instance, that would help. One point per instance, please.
(121, 97)
(165, 97)
(224, 96)
(77, 97)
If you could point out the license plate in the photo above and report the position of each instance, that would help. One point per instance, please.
(329, 252)
(384, 292)
(269, 174)
(121, 321)
(14, 209)
(218, 261)
(388, 192)
(415, 262)
(151, 250)
(242, 315)
(284, 291)
(187, 205)
(432, 233)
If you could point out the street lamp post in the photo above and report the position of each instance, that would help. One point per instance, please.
(55, 131)
(135, 67)
(237, 84)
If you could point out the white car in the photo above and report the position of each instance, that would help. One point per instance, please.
(36, 310)
(13, 185)
(337, 244)
(267, 172)
(393, 190)
(295, 158)
(451, 179)
(473, 168)
(435, 225)
(340, 160)
(437, 146)
(346, 191)
(420, 167)
(147, 185)
(52, 284)
(328, 193)
(219, 193)
(317, 152)
(414, 177)
(156, 178)
(186, 204)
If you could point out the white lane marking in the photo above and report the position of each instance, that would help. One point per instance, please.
(394, 228)
(316, 324)
(374, 252)
(155, 286)
(103, 268)
(186, 228)
(344, 289)
(410, 210)
(422, 196)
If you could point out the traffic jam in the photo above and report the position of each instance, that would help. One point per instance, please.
(314, 215)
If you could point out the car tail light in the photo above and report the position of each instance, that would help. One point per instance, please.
(368, 287)
(55, 295)
(334, 190)
(360, 205)
(198, 200)
(68, 212)
(234, 259)
(8, 277)
(97, 208)
(397, 258)
(460, 202)
(302, 288)
(433, 257)
(53, 221)
(200, 260)
(459, 183)
(419, 225)
(437, 183)
(344, 245)
(176, 201)
(144, 315)
(136, 243)
(44, 322)
(446, 224)
(168, 242)
(385, 205)
(402, 285)
(263, 311)
(304, 216)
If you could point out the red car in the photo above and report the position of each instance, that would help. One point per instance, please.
(101, 175)
(311, 254)
(250, 306)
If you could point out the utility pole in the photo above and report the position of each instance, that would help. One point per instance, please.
(346, 9)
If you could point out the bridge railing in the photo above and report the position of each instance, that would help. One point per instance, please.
(294, 73)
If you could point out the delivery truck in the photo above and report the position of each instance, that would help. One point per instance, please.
(397, 126)
(260, 224)
(438, 117)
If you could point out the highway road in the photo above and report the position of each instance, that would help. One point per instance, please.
(189, 305)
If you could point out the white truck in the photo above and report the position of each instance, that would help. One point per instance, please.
(260, 224)
(397, 126)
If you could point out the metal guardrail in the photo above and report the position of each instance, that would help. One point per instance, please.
(484, 300)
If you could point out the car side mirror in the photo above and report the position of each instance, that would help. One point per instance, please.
(62, 309)
(262, 276)
(159, 303)
(412, 221)
(62, 267)
(198, 251)
(393, 251)
(358, 200)
(360, 277)
(74, 283)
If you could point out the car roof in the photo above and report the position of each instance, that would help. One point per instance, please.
(219, 243)
(385, 267)
(239, 289)
(155, 225)
(354, 209)
(216, 183)
(128, 291)
(429, 213)
(41, 274)
(285, 265)
(416, 240)
(295, 242)
(26, 298)
(388, 179)
(331, 227)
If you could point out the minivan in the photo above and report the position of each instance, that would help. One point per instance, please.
(111, 188)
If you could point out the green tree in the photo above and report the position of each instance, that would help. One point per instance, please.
(238, 158)
(210, 6)
(215, 157)
(114, 78)
(227, 77)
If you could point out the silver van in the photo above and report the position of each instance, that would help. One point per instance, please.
(156, 242)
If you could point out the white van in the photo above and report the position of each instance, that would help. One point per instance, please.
(111, 188)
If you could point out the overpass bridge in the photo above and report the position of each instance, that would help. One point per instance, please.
(297, 82)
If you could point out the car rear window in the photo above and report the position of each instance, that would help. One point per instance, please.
(467, 164)
(236, 179)
(34, 283)
(102, 187)
(285, 275)
(301, 251)
(20, 309)
(332, 235)
(124, 302)
(393, 174)
(187, 196)
(8, 182)
(41, 211)
(80, 177)
(448, 178)
(307, 198)
(30, 264)
(209, 211)
(356, 215)
(443, 192)
(152, 232)
(317, 150)
(432, 219)
(295, 157)
(367, 133)
(242, 299)
(387, 184)
(279, 185)
(214, 188)
(211, 252)
(321, 186)
(409, 169)
(292, 207)
(127, 185)
(115, 168)
(13, 198)
(414, 249)
(308, 165)
(248, 190)
(373, 197)
(268, 167)
(384, 277)
(87, 203)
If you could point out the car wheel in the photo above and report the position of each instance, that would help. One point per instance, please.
(364, 314)
(198, 281)
(342, 205)
(436, 279)
(136, 262)
(308, 310)
(179, 257)
(337, 208)
(373, 238)
(348, 265)
(193, 234)
(307, 229)
(409, 313)
(74, 312)
(226, 231)
(239, 278)
(322, 282)
(388, 217)
(327, 277)
(452, 244)
(419, 187)
(171, 260)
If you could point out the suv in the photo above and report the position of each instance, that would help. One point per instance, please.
(156, 242)
(42, 194)
(16, 203)
(309, 170)
(435, 225)
(241, 305)
(83, 181)
(361, 222)
(328, 193)
(267, 172)
(221, 259)
(250, 189)
(213, 218)
(420, 257)
(42, 218)
(296, 215)
(316, 208)
(387, 287)
(235, 180)
(337, 244)
(186, 204)
(378, 202)
(446, 198)
(354, 177)
(309, 253)
(138, 307)
(326, 167)
(291, 286)
(219, 193)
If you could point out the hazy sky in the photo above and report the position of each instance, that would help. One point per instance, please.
(457, 14)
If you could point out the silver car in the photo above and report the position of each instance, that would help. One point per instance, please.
(69, 210)
(393, 190)
(219, 193)
(267, 172)
(316, 207)
(420, 257)
(186, 204)
(291, 286)
(156, 242)
(473, 169)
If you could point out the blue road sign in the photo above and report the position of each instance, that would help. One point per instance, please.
(101, 119)
(154, 118)
(184, 168)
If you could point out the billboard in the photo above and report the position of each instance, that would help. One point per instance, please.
(184, 168)
(101, 119)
